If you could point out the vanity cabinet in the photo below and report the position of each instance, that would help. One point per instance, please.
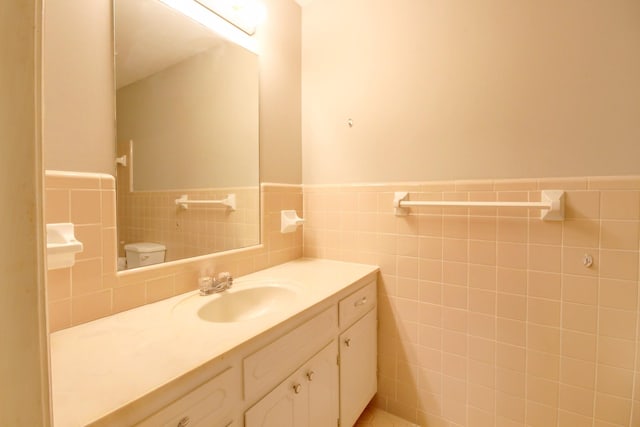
(307, 398)
(312, 366)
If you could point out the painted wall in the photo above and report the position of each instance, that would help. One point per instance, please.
(280, 93)
(78, 87)
(458, 90)
(487, 316)
(24, 390)
(79, 130)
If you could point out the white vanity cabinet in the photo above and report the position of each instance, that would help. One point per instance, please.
(307, 398)
(311, 365)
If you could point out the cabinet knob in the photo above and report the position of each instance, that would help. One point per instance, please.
(184, 422)
(347, 342)
(361, 301)
(310, 375)
(297, 388)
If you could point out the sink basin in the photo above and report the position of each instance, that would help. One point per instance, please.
(241, 304)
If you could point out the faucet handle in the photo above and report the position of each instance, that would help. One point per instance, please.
(205, 284)
(225, 276)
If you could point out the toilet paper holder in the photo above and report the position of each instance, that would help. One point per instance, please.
(62, 245)
(289, 221)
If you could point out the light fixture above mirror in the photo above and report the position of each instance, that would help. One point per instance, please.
(244, 14)
(225, 17)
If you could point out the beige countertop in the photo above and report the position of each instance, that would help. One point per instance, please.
(104, 365)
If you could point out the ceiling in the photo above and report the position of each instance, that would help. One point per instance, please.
(150, 36)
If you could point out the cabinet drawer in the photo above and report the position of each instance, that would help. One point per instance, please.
(357, 304)
(270, 365)
(211, 404)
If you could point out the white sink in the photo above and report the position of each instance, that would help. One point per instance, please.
(245, 301)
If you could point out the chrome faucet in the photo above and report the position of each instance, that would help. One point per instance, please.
(212, 285)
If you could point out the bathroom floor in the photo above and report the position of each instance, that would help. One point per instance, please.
(374, 417)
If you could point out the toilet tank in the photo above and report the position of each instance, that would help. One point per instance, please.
(144, 253)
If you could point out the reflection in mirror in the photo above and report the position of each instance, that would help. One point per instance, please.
(187, 124)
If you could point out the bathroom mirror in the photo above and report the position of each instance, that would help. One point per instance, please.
(187, 126)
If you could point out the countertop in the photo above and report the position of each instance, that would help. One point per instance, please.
(101, 366)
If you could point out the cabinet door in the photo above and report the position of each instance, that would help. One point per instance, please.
(286, 406)
(358, 368)
(309, 397)
(321, 374)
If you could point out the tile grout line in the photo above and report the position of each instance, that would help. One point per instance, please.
(598, 298)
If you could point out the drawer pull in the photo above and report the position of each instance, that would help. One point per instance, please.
(347, 342)
(184, 422)
(310, 375)
(361, 301)
(297, 388)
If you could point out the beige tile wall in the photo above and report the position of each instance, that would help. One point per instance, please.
(92, 289)
(488, 316)
(151, 216)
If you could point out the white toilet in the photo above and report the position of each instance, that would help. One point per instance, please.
(144, 253)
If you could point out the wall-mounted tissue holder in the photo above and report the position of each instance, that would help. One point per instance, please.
(62, 246)
(289, 221)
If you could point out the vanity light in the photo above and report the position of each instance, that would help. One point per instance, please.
(244, 14)
(218, 19)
